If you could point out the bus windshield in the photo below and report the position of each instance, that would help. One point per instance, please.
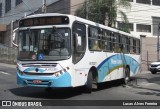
(44, 44)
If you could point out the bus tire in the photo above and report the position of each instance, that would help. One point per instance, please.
(126, 78)
(48, 89)
(88, 86)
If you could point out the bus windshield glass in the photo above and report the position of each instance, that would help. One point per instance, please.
(44, 44)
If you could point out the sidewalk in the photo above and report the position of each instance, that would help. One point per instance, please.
(8, 65)
(143, 72)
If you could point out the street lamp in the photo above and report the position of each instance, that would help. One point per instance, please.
(44, 8)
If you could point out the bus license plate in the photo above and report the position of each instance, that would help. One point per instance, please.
(37, 81)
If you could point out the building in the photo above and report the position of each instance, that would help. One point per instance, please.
(13, 10)
(143, 17)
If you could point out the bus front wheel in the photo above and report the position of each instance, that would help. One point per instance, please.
(88, 86)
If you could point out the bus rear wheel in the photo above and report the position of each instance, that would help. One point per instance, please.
(126, 78)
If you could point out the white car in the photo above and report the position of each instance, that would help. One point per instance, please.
(154, 67)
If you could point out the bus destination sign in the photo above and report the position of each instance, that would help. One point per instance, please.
(41, 21)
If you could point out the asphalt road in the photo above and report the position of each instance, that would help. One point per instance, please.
(142, 87)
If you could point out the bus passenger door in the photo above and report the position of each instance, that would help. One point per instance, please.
(78, 51)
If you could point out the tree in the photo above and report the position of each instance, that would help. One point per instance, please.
(96, 10)
(102, 10)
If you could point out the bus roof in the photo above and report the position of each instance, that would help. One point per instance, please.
(82, 20)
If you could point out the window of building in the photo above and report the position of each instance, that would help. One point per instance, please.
(143, 1)
(18, 2)
(125, 27)
(143, 28)
(0, 9)
(7, 5)
(156, 2)
(1, 37)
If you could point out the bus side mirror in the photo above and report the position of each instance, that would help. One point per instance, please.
(15, 37)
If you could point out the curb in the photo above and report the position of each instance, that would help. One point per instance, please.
(8, 65)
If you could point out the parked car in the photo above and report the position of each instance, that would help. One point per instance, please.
(154, 67)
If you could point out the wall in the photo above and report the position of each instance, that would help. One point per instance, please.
(141, 14)
(8, 55)
(21, 10)
(149, 51)
(75, 4)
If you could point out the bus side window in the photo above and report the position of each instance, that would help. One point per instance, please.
(119, 43)
(94, 39)
(117, 47)
(128, 44)
(131, 45)
(104, 41)
(125, 44)
(108, 43)
(134, 46)
(111, 41)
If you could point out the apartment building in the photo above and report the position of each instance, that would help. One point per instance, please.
(143, 16)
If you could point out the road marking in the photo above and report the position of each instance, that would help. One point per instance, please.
(4, 73)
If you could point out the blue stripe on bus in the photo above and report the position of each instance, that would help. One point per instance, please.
(63, 80)
(114, 62)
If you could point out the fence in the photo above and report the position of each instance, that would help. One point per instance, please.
(8, 55)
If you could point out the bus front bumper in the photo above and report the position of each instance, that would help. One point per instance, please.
(44, 81)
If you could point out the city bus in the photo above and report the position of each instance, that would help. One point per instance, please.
(59, 51)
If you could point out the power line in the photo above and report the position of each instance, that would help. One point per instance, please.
(73, 6)
(83, 3)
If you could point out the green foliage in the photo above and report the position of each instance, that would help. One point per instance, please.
(96, 10)
(103, 10)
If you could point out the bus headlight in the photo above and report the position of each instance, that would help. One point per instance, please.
(57, 74)
(20, 72)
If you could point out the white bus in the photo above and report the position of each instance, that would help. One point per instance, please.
(59, 50)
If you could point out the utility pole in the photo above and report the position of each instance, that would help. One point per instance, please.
(44, 8)
(11, 33)
(86, 6)
(158, 42)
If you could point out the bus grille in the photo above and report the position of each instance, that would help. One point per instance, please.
(39, 74)
(39, 65)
